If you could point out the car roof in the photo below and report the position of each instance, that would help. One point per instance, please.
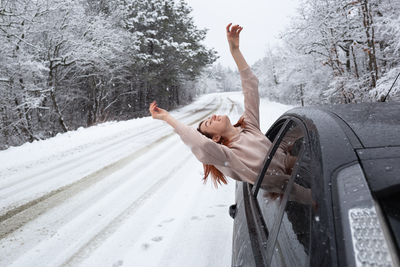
(375, 124)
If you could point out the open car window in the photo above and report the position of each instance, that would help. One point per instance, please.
(272, 185)
(283, 195)
(292, 244)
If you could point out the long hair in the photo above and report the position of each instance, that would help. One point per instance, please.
(216, 176)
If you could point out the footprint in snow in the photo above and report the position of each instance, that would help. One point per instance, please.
(195, 218)
(157, 238)
(221, 205)
(210, 215)
(118, 263)
(145, 246)
(169, 220)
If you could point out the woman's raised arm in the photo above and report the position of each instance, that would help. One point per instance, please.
(249, 80)
(232, 35)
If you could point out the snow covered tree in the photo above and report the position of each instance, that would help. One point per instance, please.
(66, 64)
(217, 78)
(337, 51)
(170, 49)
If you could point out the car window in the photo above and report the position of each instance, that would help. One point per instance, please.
(284, 199)
(278, 173)
(274, 130)
(292, 244)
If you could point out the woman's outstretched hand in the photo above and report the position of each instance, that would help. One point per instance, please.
(233, 35)
(156, 112)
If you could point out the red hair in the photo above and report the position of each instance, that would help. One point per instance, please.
(216, 176)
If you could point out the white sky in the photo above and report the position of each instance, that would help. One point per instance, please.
(262, 21)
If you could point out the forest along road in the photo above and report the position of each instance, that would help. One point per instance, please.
(132, 198)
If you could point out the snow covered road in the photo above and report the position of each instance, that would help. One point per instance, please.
(118, 194)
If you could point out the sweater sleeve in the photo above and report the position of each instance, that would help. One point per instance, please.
(206, 150)
(251, 97)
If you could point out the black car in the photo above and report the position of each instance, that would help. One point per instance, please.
(340, 203)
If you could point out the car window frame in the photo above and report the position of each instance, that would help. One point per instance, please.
(267, 237)
(278, 138)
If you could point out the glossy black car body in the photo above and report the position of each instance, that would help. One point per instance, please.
(348, 162)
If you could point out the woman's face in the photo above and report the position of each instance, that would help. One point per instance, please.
(215, 125)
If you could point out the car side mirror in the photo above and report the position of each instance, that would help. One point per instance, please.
(232, 211)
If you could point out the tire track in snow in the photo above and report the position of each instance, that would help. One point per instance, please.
(112, 227)
(16, 168)
(113, 142)
(238, 107)
(64, 166)
(17, 217)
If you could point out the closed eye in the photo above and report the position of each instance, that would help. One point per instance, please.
(206, 123)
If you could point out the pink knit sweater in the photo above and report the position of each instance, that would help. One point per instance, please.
(244, 157)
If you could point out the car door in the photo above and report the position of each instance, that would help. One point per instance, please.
(281, 200)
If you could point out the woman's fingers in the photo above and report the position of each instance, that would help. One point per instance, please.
(236, 29)
(230, 29)
(227, 27)
(153, 107)
(156, 112)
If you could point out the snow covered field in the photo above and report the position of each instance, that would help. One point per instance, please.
(118, 194)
